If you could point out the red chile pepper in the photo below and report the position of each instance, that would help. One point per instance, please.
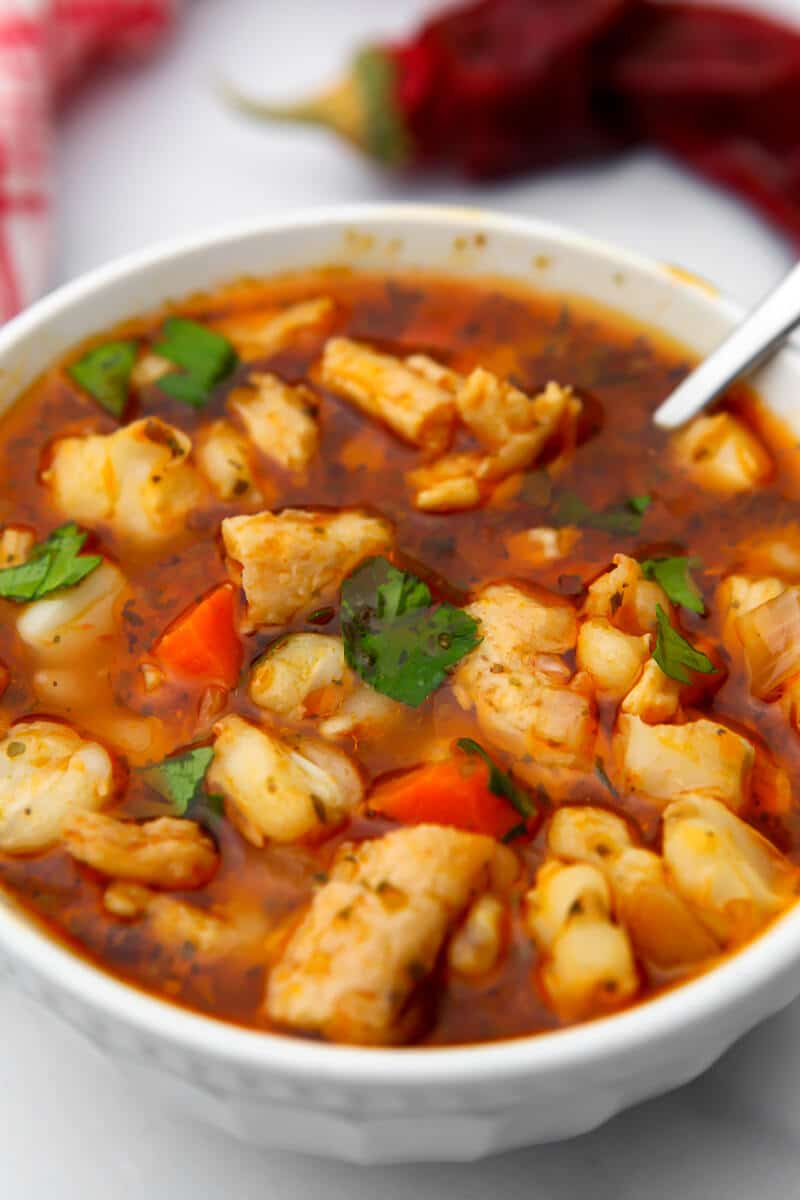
(499, 86)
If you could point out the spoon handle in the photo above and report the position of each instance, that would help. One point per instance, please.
(747, 347)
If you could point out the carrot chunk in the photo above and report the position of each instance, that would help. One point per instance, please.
(454, 792)
(202, 643)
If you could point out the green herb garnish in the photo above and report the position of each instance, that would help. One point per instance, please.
(205, 357)
(500, 782)
(600, 768)
(625, 518)
(178, 779)
(674, 654)
(52, 565)
(674, 576)
(395, 637)
(104, 373)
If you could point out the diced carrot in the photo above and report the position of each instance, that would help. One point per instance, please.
(454, 792)
(202, 642)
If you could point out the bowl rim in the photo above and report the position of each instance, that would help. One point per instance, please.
(651, 1023)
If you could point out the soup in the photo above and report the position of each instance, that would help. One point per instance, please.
(372, 669)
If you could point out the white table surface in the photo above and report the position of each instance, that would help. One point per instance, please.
(148, 153)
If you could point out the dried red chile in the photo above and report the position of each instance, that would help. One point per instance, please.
(498, 86)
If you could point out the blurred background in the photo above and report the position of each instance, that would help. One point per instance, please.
(145, 151)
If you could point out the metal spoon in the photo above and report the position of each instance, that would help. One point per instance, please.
(758, 337)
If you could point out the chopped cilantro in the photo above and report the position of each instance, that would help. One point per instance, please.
(674, 654)
(205, 358)
(625, 518)
(600, 768)
(104, 373)
(674, 575)
(395, 637)
(500, 782)
(178, 779)
(53, 564)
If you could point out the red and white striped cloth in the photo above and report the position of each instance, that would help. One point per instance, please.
(46, 47)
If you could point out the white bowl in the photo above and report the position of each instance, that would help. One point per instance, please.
(371, 1105)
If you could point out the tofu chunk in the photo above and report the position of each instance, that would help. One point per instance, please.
(624, 598)
(613, 659)
(450, 484)
(222, 453)
(416, 407)
(70, 624)
(722, 455)
(294, 560)
(478, 944)
(587, 959)
(517, 624)
(212, 933)
(278, 790)
(737, 595)
(258, 334)
(536, 722)
(280, 419)
(296, 668)
(655, 698)
(521, 707)
(16, 543)
(48, 772)
(666, 934)
(138, 481)
(734, 880)
(169, 852)
(770, 639)
(304, 676)
(512, 426)
(353, 968)
(666, 762)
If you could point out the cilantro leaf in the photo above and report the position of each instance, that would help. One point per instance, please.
(205, 358)
(500, 782)
(395, 638)
(674, 575)
(625, 518)
(186, 388)
(52, 566)
(178, 779)
(674, 654)
(600, 768)
(104, 373)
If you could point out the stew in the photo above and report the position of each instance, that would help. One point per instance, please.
(372, 669)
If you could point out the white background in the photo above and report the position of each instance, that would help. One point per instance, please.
(147, 153)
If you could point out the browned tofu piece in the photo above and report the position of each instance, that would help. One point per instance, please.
(258, 333)
(667, 762)
(353, 967)
(532, 713)
(280, 419)
(406, 395)
(138, 480)
(721, 454)
(290, 561)
(508, 423)
(169, 852)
